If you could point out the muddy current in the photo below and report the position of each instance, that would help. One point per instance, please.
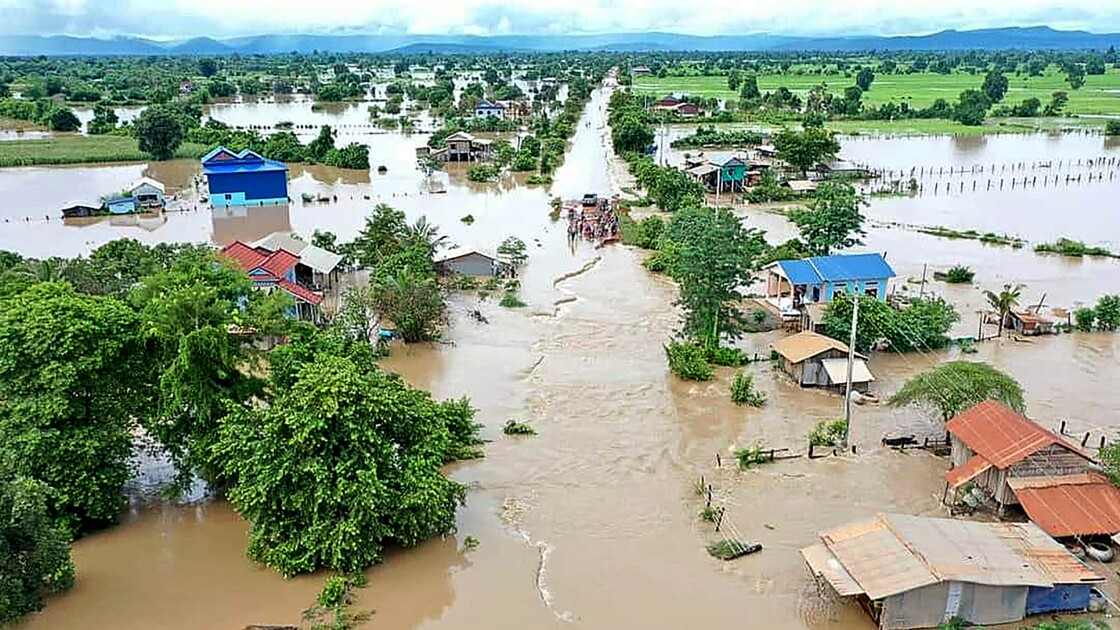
(594, 522)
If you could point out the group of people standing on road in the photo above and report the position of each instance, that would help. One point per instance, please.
(592, 222)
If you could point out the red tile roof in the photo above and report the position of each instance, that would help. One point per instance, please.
(1002, 436)
(246, 257)
(279, 262)
(1083, 505)
(967, 471)
(300, 293)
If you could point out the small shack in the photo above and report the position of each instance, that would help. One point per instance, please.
(801, 187)
(464, 147)
(919, 572)
(486, 109)
(473, 262)
(639, 71)
(1015, 461)
(1029, 324)
(79, 209)
(814, 360)
(148, 193)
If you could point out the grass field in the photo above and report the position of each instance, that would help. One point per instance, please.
(75, 149)
(1099, 95)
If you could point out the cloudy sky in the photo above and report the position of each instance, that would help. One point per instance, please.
(223, 18)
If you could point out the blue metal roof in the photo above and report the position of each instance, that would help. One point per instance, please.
(245, 162)
(838, 268)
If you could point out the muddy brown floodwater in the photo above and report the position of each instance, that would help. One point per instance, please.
(592, 523)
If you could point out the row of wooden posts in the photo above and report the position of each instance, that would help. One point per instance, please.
(901, 186)
(870, 137)
(939, 171)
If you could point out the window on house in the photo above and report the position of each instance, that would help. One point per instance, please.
(228, 196)
(872, 291)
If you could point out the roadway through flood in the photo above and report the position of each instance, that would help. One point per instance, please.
(592, 523)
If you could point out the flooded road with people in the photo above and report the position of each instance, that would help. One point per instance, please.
(593, 522)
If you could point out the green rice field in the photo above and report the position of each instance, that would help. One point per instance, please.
(75, 149)
(1100, 95)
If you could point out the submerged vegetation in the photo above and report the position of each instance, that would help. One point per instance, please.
(1076, 249)
(828, 433)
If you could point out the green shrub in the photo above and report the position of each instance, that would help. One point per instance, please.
(536, 179)
(828, 433)
(510, 300)
(727, 357)
(1070, 247)
(1084, 319)
(512, 427)
(959, 274)
(466, 283)
(1108, 312)
(750, 456)
(492, 283)
(1112, 128)
(483, 172)
(688, 361)
(468, 219)
(709, 514)
(744, 393)
(650, 230)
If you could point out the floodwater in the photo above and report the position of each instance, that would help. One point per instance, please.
(592, 523)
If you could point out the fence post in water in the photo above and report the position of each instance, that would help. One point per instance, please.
(1102, 443)
(1085, 439)
(719, 521)
(1062, 430)
(719, 462)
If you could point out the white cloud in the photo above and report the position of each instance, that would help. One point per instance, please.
(231, 17)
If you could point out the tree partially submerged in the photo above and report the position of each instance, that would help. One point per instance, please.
(34, 551)
(953, 387)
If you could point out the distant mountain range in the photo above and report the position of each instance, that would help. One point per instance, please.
(996, 38)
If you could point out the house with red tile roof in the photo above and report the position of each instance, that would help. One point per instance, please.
(275, 270)
(1016, 461)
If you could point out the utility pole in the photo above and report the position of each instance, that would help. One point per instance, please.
(922, 291)
(851, 363)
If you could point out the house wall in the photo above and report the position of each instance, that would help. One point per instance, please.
(862, 286)
(929, 606)
(248, 188)
(122, 207)
(488, 113)
(469, 265)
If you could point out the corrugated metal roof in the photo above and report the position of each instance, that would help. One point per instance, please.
(1049, 557)
(967, 471)
(1003, 436)
(837, 370)
(280, 240)
(967, 551)
(839, 268)
(149, 181)
(244, 256)
(801, 185)
(824, 564)
(1085, 505)
(703, 169)
(807, 344)
(319, 259)
(894, 554)
(875, 558)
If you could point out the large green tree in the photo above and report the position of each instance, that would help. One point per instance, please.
(380, 238)
(72, 379)
(805, 149)
(995, 86)
(714, 256)
(412, 301)
(953, 387)
(159, 131)
(918, 324)
(343, 461)
(835, 221)
(34, 551)
(199, 319)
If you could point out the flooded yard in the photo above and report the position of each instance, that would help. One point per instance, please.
(592, 523)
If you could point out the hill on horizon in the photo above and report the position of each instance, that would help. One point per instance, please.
(1038, 38)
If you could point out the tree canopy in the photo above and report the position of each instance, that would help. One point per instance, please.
(159, 132)
(34, 551)
(953, 387)
(835, 221)
(805, 149)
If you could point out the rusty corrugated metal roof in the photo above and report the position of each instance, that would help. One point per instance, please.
(1003, 436)
(1078, 508)
(246, 257)
(967, 471)
(894, 554)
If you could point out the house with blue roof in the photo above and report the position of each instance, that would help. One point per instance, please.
(244, 179)
(793, 284)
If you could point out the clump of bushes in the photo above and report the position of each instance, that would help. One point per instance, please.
(959, 274)
(709, 514)
(744, 393)
(1112, 128)
(538, 179)
(466, 283)
(483, 172)
(688, 361)
(1104, 316)
(513, 427)
(828, 433)
(468, 219)
(1070, 247)
(750, 456)
(510, 300)
(725, 356)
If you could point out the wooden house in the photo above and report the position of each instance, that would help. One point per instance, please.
(801, 187)
(814, 360)
(918, 572)
(76, 210)
(667, 103)
(1012, 460)
(1028, 324)
(686, 110)
(464, 147)
(639, 71)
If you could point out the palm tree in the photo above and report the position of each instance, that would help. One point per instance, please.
(424, 233)
(1004, 301)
